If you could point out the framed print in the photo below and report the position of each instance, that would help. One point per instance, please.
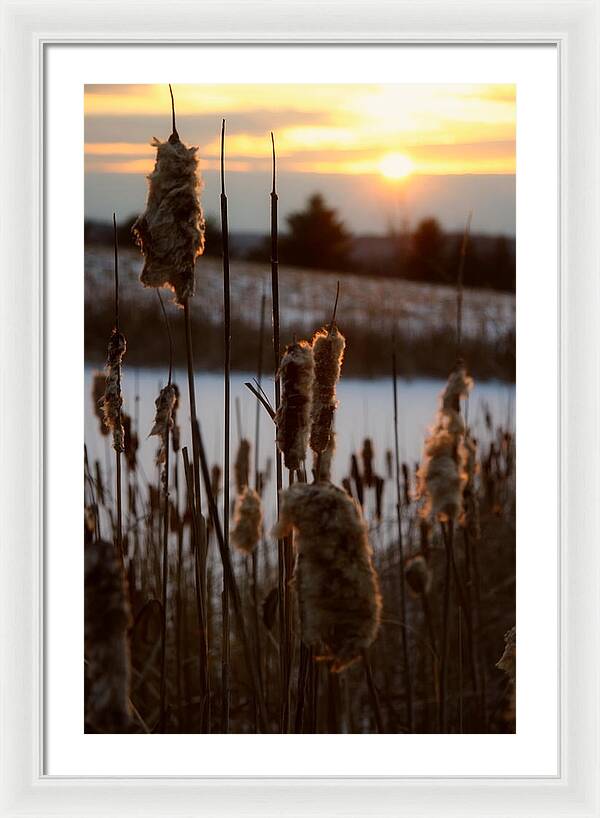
(316, 303)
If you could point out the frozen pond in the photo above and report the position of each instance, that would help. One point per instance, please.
(365, 410)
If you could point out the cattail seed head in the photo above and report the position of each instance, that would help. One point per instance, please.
(337, 586)
(379, 489)
(247, 521)
(215, 480)
(170, 233)
(98, 386)
(328, 350)
(242, 465)
(113, 400)
(389, 464)
(442, 476)
(418, 575)
(367, 461)
(130, 441)
(358, 481)
(293, 416)
(107, 621)
(459, 385)
(163, 423)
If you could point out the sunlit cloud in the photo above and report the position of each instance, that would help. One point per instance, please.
(339, 129)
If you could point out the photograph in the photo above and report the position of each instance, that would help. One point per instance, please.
(299, 408)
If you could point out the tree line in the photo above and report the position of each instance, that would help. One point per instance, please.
(316, 238)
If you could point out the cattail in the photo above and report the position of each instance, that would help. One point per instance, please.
(323, 461)
(130, 441)
(175, 430)
(112, 400)
(459, 384)
(107, 620)
(338, 589)
(389, 464)
(470, 518)
(170, 233)
(442, 475)
(418, 575)
(406, 483)
(215, 480)
(247, 521)
(328, 350)
(98, 387)
(347, 486)
(163, 422)
(367, 461)
(379, 487)
(99, 482)
(293, 416)
(508, 660)
(358, 481)
(242, 466)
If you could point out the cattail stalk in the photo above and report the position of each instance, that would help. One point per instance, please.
(118, 449)
(225, 636)
(163, 426)
(257, 481)
(282, 546)
(405, 654)
(459, 285)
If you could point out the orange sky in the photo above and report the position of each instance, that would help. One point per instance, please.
(392, 130)
(399, 152)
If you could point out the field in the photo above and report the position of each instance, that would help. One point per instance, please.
(422, 316)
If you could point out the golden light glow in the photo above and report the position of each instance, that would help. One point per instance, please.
(339, 129)
(396, 166)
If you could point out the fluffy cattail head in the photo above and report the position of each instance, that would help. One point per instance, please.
(170, 233)
(442, 476)
(163, 421)
(112, 400)
(458, 386)
(247, 521)
(242, 465)
(107, 621)
(338, 589)
(293, 416)
(98, 386)
(418, 575)
(328, 350)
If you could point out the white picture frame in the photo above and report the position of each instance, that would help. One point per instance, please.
(27, 28)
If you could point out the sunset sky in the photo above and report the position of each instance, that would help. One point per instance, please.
(381, 154)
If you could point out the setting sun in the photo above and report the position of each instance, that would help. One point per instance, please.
(395, 166)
